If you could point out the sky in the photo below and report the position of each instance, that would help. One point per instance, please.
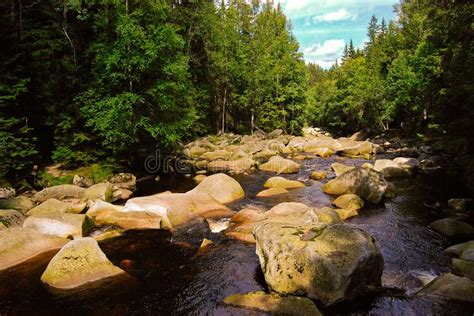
(323, 27)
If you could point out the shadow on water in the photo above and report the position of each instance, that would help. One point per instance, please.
(175, 280)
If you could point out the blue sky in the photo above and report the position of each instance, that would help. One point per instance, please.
(323, 27)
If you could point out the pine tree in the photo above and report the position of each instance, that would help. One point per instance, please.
(351, 50)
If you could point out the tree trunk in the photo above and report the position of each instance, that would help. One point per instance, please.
(224, 109)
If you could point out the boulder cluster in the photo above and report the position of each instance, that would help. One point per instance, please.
(306, 254)
(240, 154)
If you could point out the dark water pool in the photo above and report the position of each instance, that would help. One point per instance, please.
(176, 281)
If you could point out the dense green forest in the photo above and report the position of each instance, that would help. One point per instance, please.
(94, 81)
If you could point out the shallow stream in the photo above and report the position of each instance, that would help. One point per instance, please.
(175, 281)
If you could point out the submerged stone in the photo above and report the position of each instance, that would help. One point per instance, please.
(273, 304)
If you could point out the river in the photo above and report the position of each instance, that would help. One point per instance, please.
(176, 281)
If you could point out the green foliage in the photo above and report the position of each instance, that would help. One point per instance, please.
(83, 81)
(140, 93)
(405, 77)
(48, 180)
(17, 148)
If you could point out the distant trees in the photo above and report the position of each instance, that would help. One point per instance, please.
(87, 81)
(409, 74)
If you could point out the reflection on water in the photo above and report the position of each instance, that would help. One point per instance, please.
(175, 280)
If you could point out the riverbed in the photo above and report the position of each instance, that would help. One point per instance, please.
(174, 280)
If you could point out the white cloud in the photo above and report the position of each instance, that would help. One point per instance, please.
(325, 54)
(302, 8)
(334, 16)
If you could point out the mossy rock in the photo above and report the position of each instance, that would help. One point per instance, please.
(366, 183)
(79, 266)
(330, 264)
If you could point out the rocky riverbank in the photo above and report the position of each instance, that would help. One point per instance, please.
(303, 250)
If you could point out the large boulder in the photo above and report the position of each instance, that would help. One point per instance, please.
(280, 165)
(129, 220)
(453, 228)
(366, 183)
(273, 304)
(80, 266)
(11, 218)
(20, 203)
(220, 187)
(60, 225)
(235, 166)
(282, 183)
(330, 264)
(23, 248)
(452, 287)
(103, 191)
(60, 192)
(179, 210)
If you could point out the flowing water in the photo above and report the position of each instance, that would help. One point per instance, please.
(176, 281)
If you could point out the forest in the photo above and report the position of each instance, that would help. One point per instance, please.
(107, 81)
